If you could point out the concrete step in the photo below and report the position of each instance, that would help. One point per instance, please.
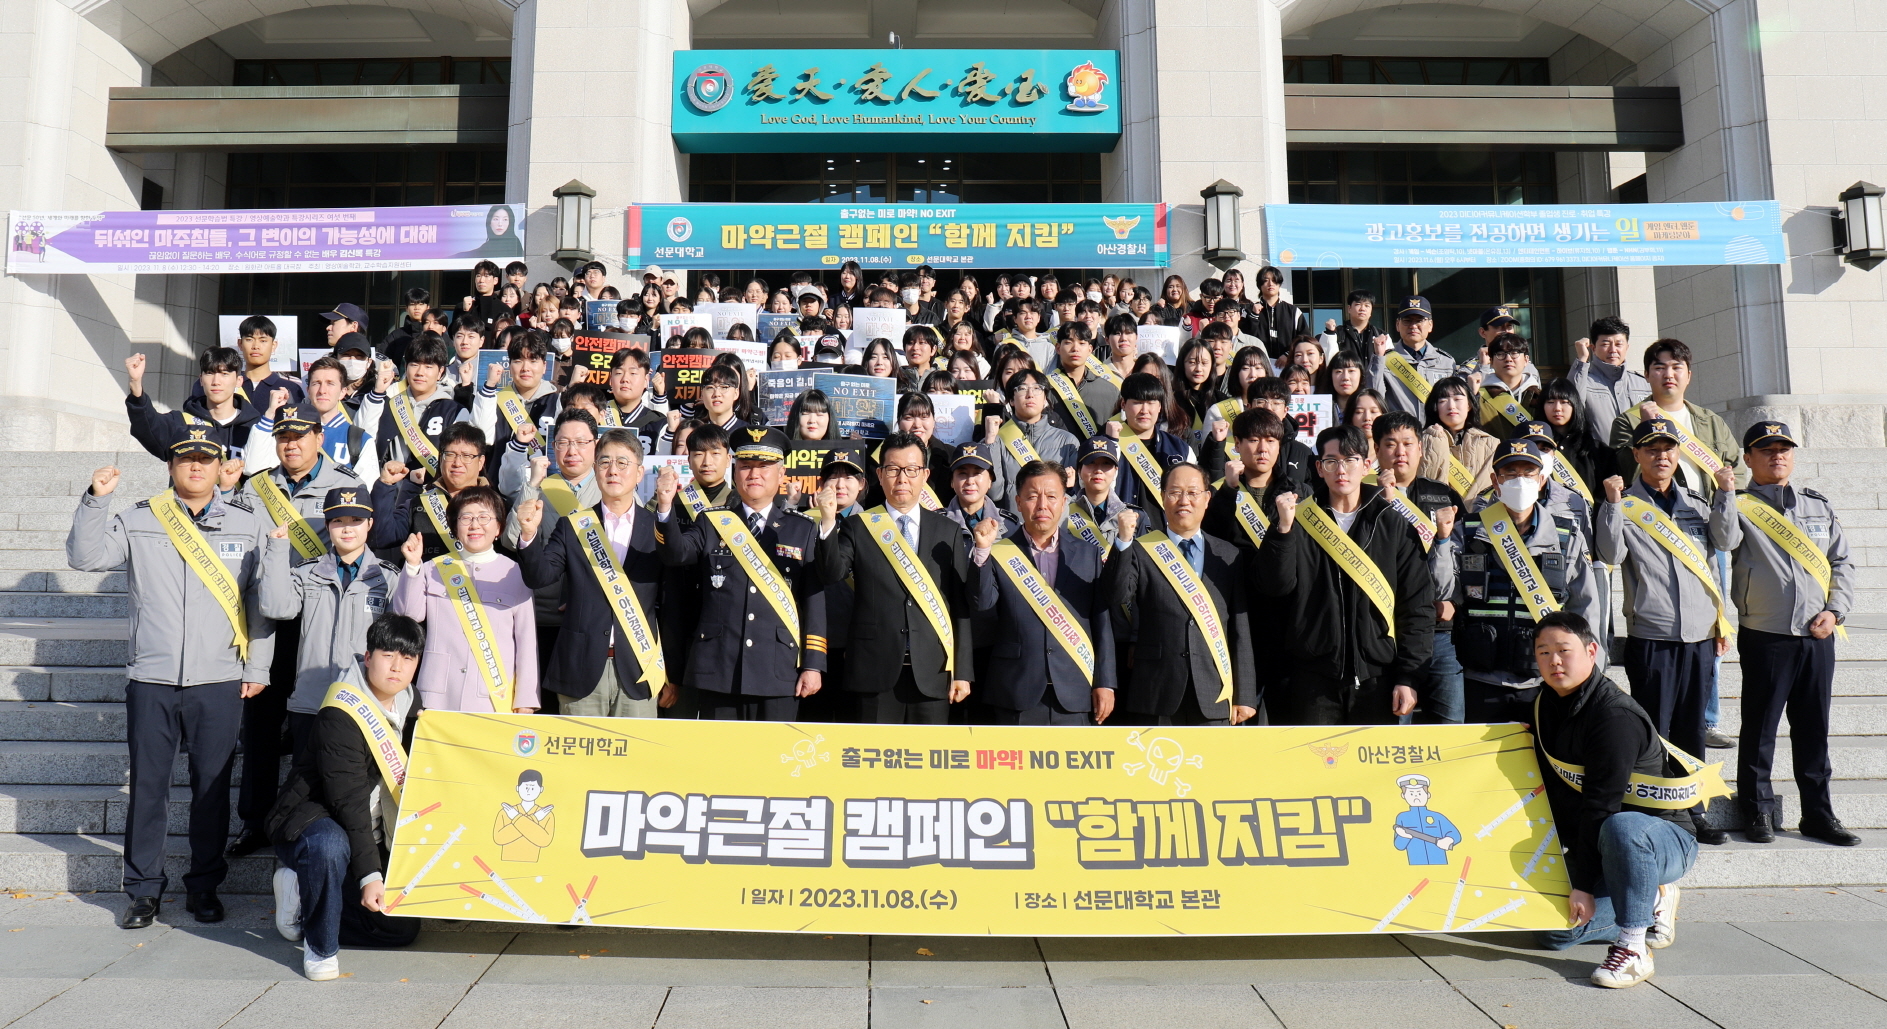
(1859, 803)
(1790, 861)
(1847, 717)
(95, 642)
(1853, 757)
(23, 604)
(44, 721)
(64, 683)
(88, 809)
(66, 581)
(53, 861)
(51, 540)
(88, 763)
(1852, 679)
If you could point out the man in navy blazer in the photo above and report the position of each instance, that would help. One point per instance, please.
(1034, 676)
(592, 640)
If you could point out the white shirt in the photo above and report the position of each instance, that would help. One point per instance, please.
(619, 528)
(1344, 521)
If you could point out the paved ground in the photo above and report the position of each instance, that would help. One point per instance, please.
(1755, 958)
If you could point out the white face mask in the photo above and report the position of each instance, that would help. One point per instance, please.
(910, 295)
(1094, 295)
(355, 367)
(562, 343)
(784, 364)
(1546, 463)
(1519, 494)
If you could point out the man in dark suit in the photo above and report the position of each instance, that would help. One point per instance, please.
(909, 649)
(759, 643)
(1041, 575)
(1178, 598)
(597, 667)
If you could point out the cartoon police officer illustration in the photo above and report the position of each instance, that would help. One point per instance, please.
(1426, 835)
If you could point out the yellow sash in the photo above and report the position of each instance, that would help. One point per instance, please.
(1070, 395)
(1104, 371)
(1502, 404)
(511, 405)
(1563, 474)
(636, 628)
(1228, 411)
(1017, 444)
(1661, 528)
(433, 502)
(462, 590)
(1251, 517)
(1046, 603)
(1459, 477)
(693, 499)
(195, 550)
(1700, 455)
(383, 737)
(1140, 458)
(1402, 505)
(760, 569)
(406, 419)
(562, 496)
(1086, 528)
(1793, 542)
(1400, 367)
(1193, 597)
(1514, 556)
(1653, 791)
(883, 530)
(307, 541)
(1355, 564)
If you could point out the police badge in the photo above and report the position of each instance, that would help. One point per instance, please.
(717, 580)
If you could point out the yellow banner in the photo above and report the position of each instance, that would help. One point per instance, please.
(195, 551)
(1356, 564)
(1459, 477)
(1563, 474)
(561, 495)
(1661, 528)
(1047, 605)
(638, 632)
(959, 830)
(1402, 505)
(1084, 527)
(511, 405)
(406, 420)
(1251, 517)
(383, 737)
(1514, 556)
(917, 580)
(1177, 572)
(1499, 405)
(434, 503)
(461, 588)
(1139, 457)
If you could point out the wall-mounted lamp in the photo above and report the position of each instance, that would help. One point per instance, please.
(1222, 229)
(1859, 234)
(574, 200)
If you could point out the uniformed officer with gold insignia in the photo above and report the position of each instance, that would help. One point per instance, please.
(759, 643)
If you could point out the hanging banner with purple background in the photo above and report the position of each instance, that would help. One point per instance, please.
(286, 240)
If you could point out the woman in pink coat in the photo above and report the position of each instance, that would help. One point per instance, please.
(449, 675)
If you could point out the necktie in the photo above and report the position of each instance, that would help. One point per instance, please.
(1189, 549)
(908, 526)
(755, 523)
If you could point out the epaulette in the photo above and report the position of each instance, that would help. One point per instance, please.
(141, 505)
(1805, 491)
(238, 503)
(349, 471)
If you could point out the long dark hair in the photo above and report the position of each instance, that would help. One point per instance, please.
(810, 401)
(1562, 389)
(1448, 387)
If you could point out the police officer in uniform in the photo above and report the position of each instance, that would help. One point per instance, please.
(1494, 624)
(743, 660)
(1788, 618)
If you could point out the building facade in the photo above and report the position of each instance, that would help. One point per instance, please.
(192, 104)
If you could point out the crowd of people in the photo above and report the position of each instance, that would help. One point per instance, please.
(1126, 540)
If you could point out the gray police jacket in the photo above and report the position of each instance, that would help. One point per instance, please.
(1771, 590)
(1663, 599)
(1434, 364)
(1493, 625)
(309, 499)
(333, 621)
(179, 635)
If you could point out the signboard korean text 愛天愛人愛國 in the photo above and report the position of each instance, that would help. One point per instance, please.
(949, 830)
(1519, 235)
(806, 236)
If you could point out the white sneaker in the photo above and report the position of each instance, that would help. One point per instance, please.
(1622, 967)
(320, 970)
(288, 904)
(1663, 931)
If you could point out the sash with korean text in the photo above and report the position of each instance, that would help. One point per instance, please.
(1048, 605)
(1177, 572)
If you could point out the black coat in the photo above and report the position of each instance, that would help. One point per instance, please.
(1026, 662)
(333, 777)
(1333, 631)
(886, 623)
(738, 644)
(556, 555)
(1169, 651)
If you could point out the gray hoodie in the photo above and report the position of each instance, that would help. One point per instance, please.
(333, 622)
(179, 634)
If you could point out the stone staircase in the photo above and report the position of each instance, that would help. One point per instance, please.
(62, 654)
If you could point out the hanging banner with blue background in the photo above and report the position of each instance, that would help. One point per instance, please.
(819, 101)
(795, 236)
(1515, 235)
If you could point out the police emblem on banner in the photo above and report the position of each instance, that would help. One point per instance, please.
(709, 88)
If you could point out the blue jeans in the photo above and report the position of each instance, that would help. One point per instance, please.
(1442, 702)
(1637, 853)
(319, 858)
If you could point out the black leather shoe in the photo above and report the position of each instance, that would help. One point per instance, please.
(1707, 833)
(1715, 740)
(248, 843)
(1829, 831)
(141, 913)
(206, 906)
(1759, 829)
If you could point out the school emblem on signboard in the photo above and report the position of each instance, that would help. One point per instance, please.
(1086, 84)
(709, 88)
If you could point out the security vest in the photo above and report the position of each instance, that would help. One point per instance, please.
(1494, 627)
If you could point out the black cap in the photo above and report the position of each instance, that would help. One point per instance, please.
(353, 341)
(842, 458)
(1537, 431)
(196, 440)
(974, 455)
(1768, 432)
(345, 501)
(1495, 315)
(1099, 446)
(1651, 430)
(1416, 305)
(1518, 450)
(299, 420)
(760, 443)
(347, 311)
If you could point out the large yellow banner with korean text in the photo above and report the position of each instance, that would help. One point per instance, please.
(959, 830)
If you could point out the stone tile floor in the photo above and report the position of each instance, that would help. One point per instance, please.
(1755, 958)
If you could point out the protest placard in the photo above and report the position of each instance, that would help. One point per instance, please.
(778, 390)
(593, 351)
(862, 405)
(1163, 340)
(1311, 413)
(684, 368)
(724, 316)
(956, 417)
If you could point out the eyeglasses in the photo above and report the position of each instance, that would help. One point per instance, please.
(454, 455)
(900, 471)
(573, 444)
(473, 521)
(617, 462)
(1185, 494)
(1030, 390)
(1331, 464)
(716, 387)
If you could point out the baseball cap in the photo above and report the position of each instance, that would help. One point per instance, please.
(1537, 431)
(1416, 305)
(1518, 450)
(1651, 430)
(1098, 447)
(1495, 315)
(345, 501)
(298, 420)
(842, 458)
(973, 455)
(347, 311)
(1768, 432)
(196, 441)
(760, 443)
(353, 341)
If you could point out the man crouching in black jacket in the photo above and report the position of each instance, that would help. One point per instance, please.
(334, 821)
(1361, 607)
(1623, 859)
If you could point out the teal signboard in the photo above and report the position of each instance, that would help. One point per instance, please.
(810, 101)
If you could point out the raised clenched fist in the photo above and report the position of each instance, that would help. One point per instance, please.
(1614, 489)
(1582, 349)
(530, 518)
(134, 373)
(413, 549)
(392, 472)
(1126, 522)
(667, 484)
(1445, 521)
(494, 375)
(986, 532)
(1287, 511)
(278, 399)
(105, 479)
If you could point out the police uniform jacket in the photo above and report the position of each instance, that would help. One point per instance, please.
(738, 644)
(888, 628)
(334, 619)
(1005, 520)
(1493, 625)
(556, 561)
(1028, 662)
(308, 498)
(1051, 444)
(179, 634)
(1771, 590)
(1169, 651)
(1663, 599)
(1433, 364)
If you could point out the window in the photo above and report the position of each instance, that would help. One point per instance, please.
(1422, 177)
(1419, 71)
(413, 71)
(874, 178)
